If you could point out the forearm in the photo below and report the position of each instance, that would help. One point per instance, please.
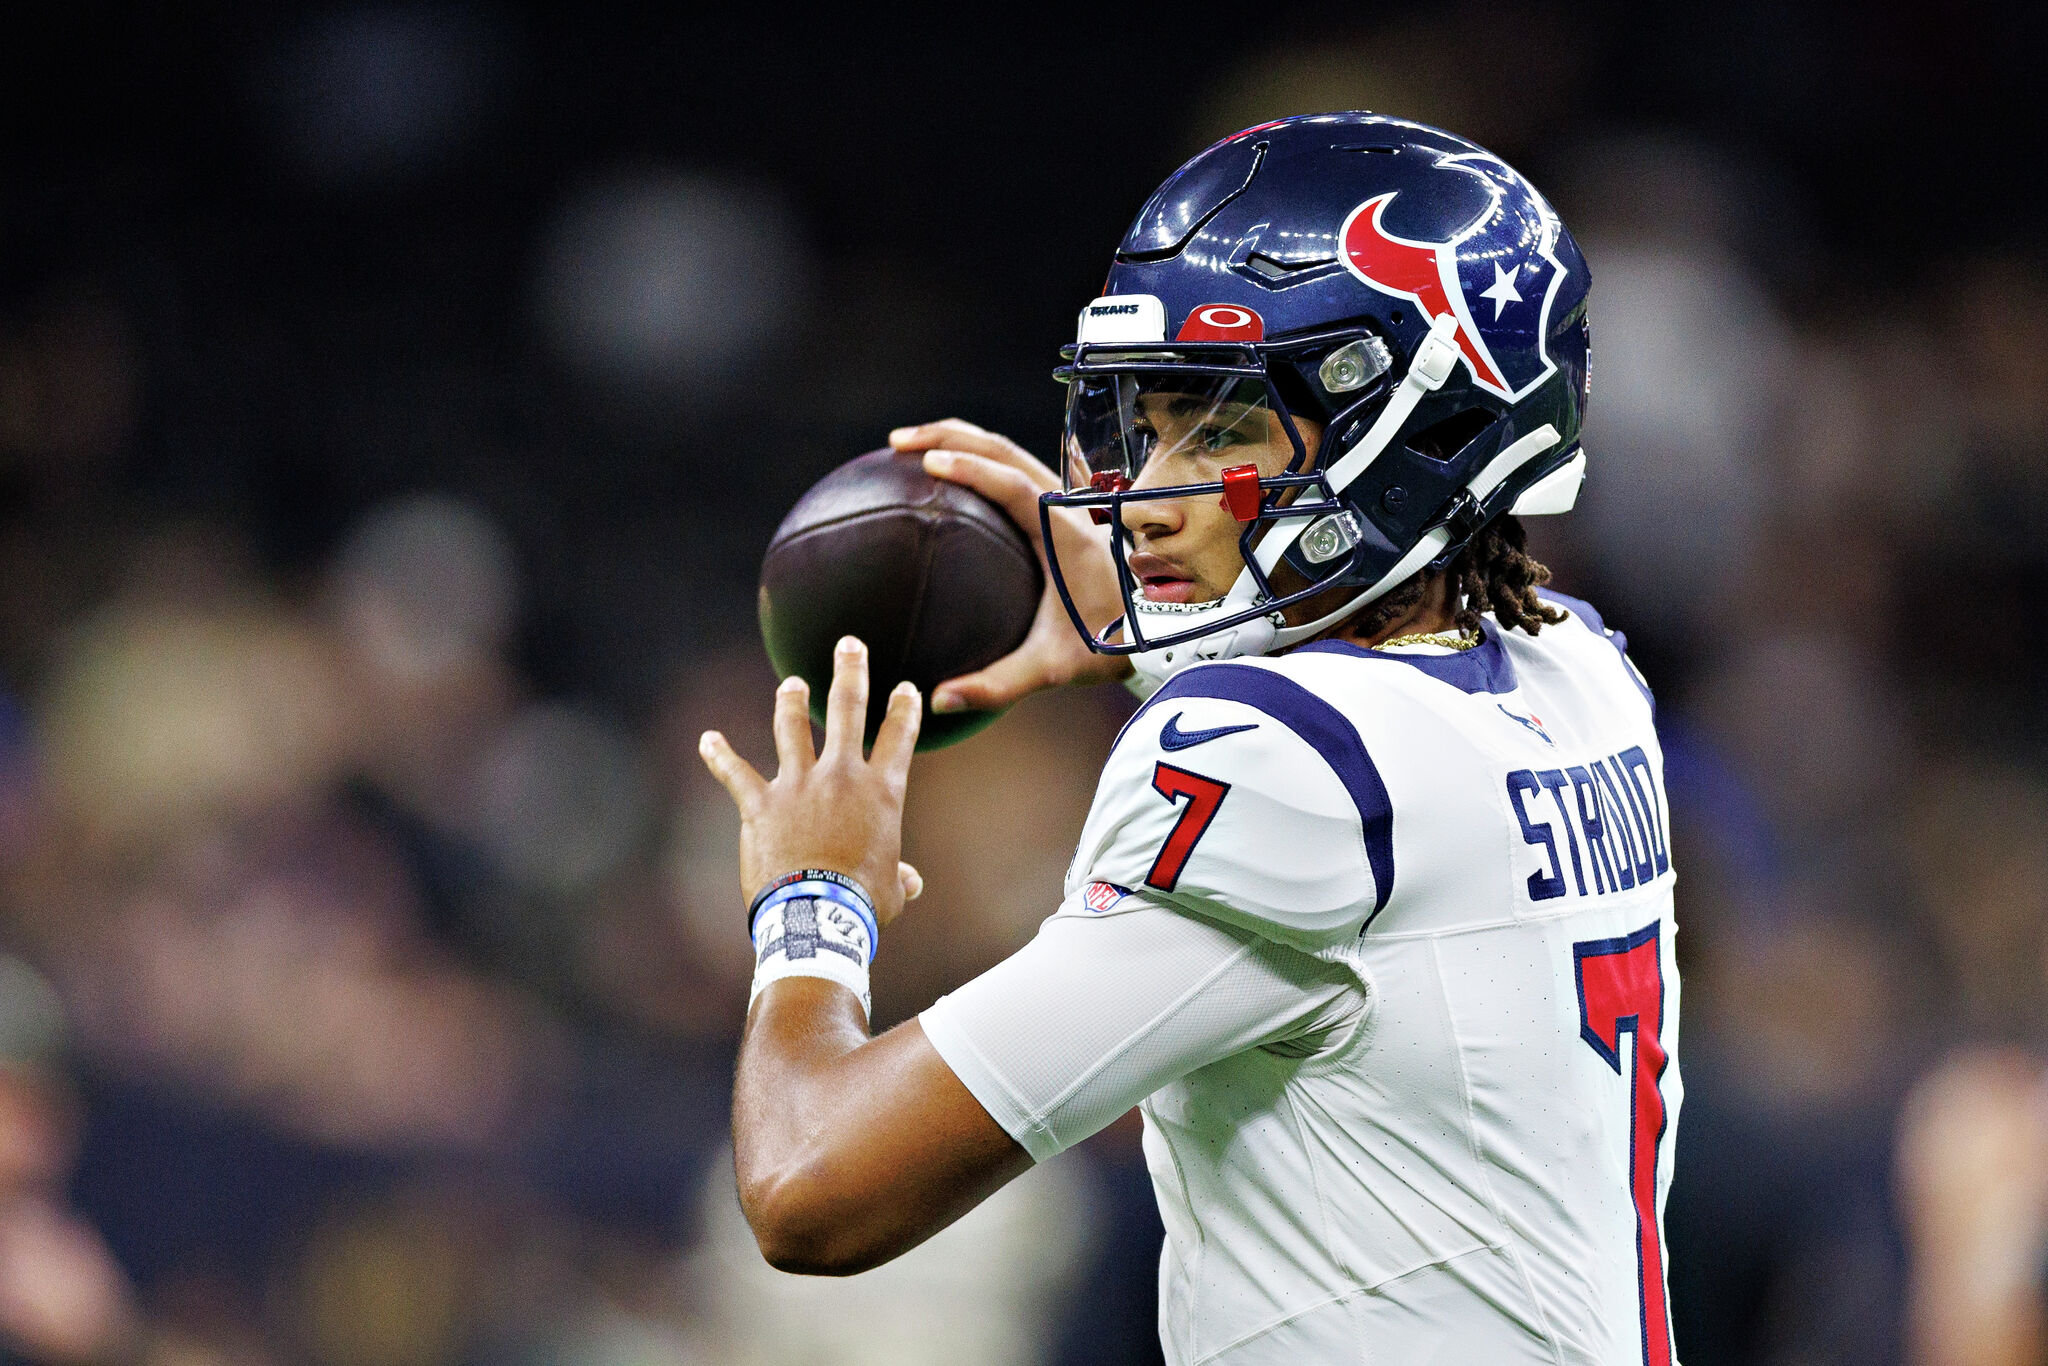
(848, 1149)
(851, 1150)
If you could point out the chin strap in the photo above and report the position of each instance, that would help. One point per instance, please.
(1151, 668)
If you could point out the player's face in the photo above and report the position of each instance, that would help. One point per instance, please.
(1186, 549)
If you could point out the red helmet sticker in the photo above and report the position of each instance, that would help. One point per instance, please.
(1223, 322)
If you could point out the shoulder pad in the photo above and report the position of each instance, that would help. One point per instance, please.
(1583, 613)
(1242, 795)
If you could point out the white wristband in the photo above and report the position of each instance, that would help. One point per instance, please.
(799, 935)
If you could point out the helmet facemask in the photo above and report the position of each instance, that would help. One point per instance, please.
(1183, 407)
(1203, 422)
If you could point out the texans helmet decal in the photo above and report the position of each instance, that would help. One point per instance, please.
(1497, 276)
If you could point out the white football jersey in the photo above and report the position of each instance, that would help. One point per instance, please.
(1469, 1166)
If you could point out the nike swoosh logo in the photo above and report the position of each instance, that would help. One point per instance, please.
(1173, 737)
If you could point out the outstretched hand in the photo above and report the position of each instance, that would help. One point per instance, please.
(1053, 653)
(830, 809)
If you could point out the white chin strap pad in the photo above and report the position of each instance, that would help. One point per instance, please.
(1255, 637)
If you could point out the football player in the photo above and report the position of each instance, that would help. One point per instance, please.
(1372, 914)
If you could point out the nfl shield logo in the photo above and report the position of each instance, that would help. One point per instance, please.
(1103, 896)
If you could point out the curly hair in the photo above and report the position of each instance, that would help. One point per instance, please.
(1495, 573)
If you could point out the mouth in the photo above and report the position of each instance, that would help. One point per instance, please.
(1160, 580)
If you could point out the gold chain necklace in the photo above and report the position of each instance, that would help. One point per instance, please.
(1449, 640)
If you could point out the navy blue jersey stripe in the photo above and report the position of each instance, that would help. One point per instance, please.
(1325, 730)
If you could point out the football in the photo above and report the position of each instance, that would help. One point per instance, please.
(933, 577)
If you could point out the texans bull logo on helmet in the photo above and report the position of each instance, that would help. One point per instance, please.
(1497, 277)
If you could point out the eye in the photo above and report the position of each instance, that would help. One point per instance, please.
(1212, 438)
(1141, 443)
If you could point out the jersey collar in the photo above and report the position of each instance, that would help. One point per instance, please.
(1485, 668)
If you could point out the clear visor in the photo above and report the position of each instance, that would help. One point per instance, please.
(1170, 428)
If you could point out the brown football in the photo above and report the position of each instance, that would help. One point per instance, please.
(932, 576)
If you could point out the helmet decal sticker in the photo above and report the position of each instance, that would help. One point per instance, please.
(1223, 322)
(1123, 318)
(1505, 258)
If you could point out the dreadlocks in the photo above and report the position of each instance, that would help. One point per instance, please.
(1493, 573)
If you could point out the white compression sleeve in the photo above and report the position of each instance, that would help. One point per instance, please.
(1099, 1011)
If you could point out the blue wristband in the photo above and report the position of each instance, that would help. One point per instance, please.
(818, 884)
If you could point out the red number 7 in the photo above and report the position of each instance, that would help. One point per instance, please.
(1621, 991)
(1204, 796)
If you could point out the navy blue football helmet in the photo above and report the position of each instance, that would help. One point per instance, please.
(1404, 289)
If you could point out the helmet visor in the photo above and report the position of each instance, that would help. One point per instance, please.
(1170, 429)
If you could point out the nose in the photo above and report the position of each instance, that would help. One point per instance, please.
(1153, 518)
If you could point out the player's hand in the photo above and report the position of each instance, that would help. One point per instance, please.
(831, 809)
(1012, 478)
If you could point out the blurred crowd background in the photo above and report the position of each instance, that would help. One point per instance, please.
(395, 402)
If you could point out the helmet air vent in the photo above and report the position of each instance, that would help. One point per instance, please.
(1444, 440)
(1265, 267)
(1271, 270)
(1184, 205)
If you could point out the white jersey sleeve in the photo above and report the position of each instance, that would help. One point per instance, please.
(1117, 996)
(1240, 794)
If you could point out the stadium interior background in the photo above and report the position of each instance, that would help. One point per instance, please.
(395, 402)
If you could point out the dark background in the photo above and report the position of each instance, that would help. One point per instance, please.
(394, 404)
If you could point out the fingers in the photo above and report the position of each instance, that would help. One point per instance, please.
(793, 726)
(846, 702)
(896, 740)
(1016, 675)
(947, 431)
(955, 435)
(1008, 487)
(734, 773)
(910, 880)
